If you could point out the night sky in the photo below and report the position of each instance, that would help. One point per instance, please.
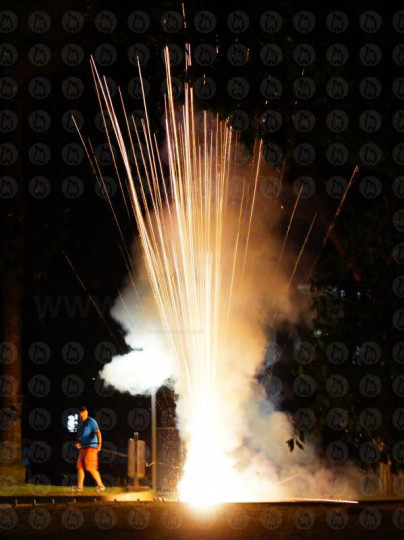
(323, 85)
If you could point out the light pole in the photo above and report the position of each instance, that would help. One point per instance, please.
(154, 438)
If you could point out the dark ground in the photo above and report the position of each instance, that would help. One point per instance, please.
(171, 520)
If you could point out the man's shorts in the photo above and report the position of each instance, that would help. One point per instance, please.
(88, 459)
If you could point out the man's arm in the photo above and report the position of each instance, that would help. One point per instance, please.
(78, 441)
(99, 438)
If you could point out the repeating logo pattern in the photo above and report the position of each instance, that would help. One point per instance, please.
(303, 150)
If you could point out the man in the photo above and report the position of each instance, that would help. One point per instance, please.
(89, 442)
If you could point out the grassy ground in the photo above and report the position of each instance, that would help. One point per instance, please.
(171, 520)
(29, 490)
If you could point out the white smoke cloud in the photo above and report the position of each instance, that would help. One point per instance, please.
(148, 365)
(254, 433)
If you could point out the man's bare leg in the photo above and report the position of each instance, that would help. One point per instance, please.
(97, 477)
(80, 478)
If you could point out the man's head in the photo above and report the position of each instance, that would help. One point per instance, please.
(83, 413)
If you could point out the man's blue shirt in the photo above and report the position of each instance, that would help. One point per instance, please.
(86, 431)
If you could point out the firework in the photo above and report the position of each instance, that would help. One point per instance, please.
(196, 220)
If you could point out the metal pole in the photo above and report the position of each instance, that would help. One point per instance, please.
(154, 439)
(136, 439)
